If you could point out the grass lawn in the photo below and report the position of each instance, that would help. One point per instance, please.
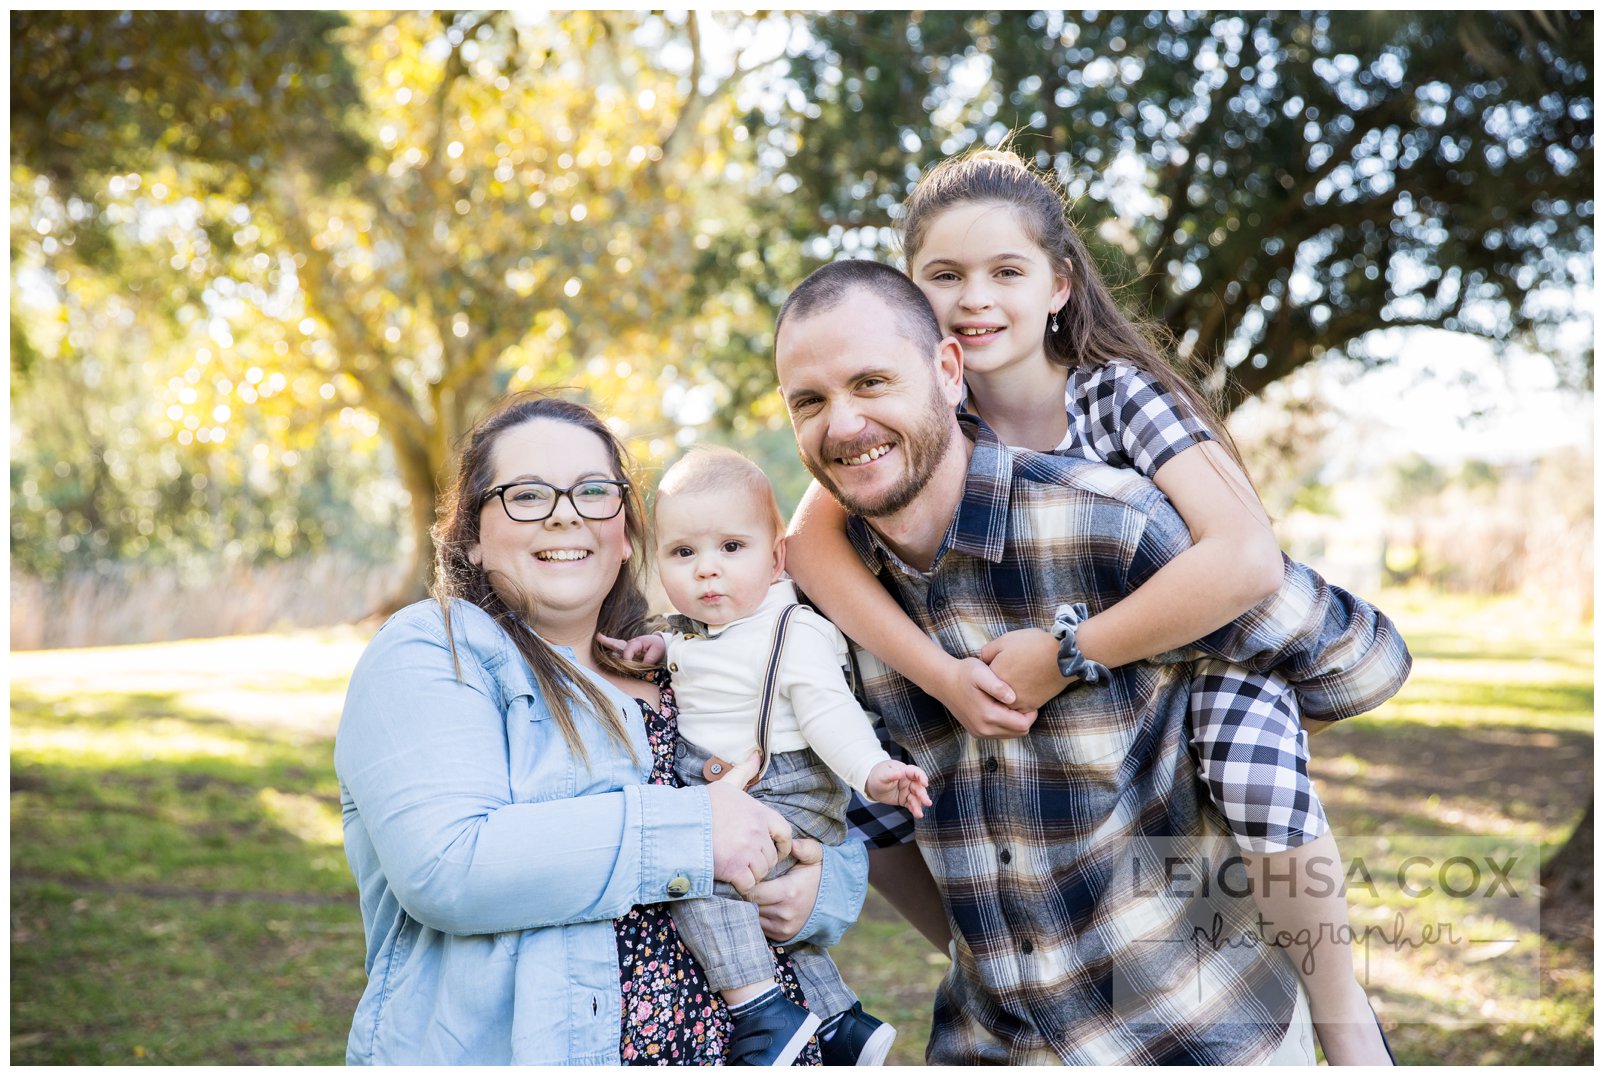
(179, 894)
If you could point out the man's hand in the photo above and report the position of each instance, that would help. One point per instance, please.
(646, 649)
(748, 837)
(1028, 660)
(983, 702)
(900, 785)
(784, 903)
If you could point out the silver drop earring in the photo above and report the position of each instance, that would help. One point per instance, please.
(1054, 325)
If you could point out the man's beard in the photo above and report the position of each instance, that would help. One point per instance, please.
(925, 446)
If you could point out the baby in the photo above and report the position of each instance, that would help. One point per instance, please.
(721, 551)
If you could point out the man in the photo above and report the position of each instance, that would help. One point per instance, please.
(1066, 947)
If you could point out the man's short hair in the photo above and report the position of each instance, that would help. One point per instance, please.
(716, 469)
(829, 285)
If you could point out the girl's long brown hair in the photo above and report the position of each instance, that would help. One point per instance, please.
(623, 611)
(1092, 328)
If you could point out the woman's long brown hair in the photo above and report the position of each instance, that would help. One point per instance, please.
(569, 691)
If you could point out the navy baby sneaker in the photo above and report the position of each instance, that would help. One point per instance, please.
(772, 1033)
(857, 1038)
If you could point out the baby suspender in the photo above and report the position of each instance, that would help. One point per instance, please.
(716, 767)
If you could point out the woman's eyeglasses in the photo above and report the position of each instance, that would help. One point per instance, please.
(531, 502)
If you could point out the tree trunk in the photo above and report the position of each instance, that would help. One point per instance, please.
(1567, 881)
(1569, 874)
(418, 475)
(413, 583)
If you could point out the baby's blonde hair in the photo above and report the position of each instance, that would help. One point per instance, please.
(716, 469)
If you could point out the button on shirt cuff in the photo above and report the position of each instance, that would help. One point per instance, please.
(676, 843)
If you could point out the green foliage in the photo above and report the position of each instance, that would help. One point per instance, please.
(1478, 475)
(1284, 182)
(1413, 479)
(1524, 528)
(95, 93)
(380, 217)
(1315, 497)
(395, 217)
(140, 440)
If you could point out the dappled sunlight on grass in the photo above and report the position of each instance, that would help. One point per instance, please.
(1480, 668)
(96, 748)
(311, 819)
(1408, 810)
(1492, 737)
(293, 681)
(142, 786)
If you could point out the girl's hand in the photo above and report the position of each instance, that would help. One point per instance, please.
(900, 785)
(983, 702)
(1028, 659)
(646, 649)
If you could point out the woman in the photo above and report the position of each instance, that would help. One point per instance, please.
(501, 782)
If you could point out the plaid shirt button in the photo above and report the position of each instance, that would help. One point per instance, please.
(1005, 855)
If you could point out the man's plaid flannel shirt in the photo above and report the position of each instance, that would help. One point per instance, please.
(1065, 950)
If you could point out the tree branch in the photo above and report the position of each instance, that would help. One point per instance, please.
(1181, 178)
(697, 103)
(386, 396)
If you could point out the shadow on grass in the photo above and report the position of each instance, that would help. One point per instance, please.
(1443, 778)
(204, 803)
(895, 972)
(108, 978)
(116, 795)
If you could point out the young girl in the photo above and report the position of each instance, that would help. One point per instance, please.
(1053, 365)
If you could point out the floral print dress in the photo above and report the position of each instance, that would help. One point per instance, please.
(671, 1015)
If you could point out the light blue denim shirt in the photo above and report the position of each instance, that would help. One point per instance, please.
(491, 860)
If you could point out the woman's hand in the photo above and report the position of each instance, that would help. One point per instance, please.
(785, 903)
(748, 837)
(982, 701)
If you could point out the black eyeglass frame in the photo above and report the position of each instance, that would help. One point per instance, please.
(558, 493)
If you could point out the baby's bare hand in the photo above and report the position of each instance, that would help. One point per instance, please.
(899, 784)
(646, 649)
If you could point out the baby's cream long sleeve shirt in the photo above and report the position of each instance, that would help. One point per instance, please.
(718, 682)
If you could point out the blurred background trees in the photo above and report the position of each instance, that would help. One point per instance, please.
(1271, 186)
(267, 267)
(382, 222)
